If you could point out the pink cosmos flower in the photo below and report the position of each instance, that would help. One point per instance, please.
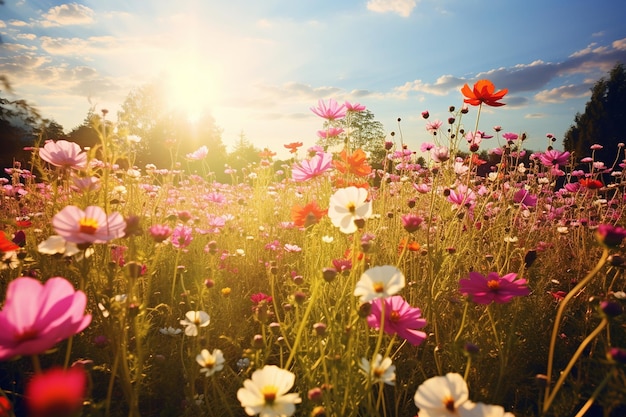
(525, 198)
(440, 153)
(181, 236)
(56, 392)
(89, 226)
(400, 319)
(355, 107)
(553, 157)
(434, 126)
(37, 316)
(331, 132)
(484, 290)
(311, 168)
(63, 154)
(331, 112)
(462, 196)
(159, 232)
(198, 154)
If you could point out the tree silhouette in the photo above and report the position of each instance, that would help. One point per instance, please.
(603, 120)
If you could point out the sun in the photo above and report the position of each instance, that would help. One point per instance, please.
(191, 87)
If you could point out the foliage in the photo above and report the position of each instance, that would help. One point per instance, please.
(601, 122)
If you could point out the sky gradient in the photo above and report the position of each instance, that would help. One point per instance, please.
(258, 66)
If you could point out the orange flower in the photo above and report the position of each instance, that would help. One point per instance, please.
(266, 153)
(293, 146)
(412, 246)
(308, 215)
(476, 161)
(483, 92)
(355, 164)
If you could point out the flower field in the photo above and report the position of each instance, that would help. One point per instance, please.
(330, 284)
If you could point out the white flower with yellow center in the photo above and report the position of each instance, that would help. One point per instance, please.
(266, 393)
(379, 282)
(211, 362)
(346, 206)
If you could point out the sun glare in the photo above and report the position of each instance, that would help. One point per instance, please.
(191, 88)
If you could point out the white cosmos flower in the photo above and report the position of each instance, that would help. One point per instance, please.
(346, 206)
(379, 282)
(170, 331)
(266, 393)
(193, 320)
(56, 244)
(211, 362)
(448, 396)
(380, 370)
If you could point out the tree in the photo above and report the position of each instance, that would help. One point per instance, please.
(243, 154)
(166, 132)
(364, 132)
(19, 125)
(603, 119)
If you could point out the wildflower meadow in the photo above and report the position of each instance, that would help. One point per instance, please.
(431, 282)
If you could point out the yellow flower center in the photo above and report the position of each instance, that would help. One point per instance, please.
(269, 394)
(378, 372)
(88, 225)
(379, 287)
(351, 207)
(210, 363)
(493, 284)
(395, 316)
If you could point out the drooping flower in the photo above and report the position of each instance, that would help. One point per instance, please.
(354, 164)
(610, 236)
(159, 232)
(440, 153)
(37, 316)
(56, 392)
(193, 320)
(346, 206)
(400, 318)
(64, 154)
(379, 282)
(198, 154)
(525, 198)
(483, 92)
(493, 287)
(311, 168)
(266, 393)
(332, 111)
(211, 362)
(411, 222)
(89, 226)
(379, 370)
(307, 215)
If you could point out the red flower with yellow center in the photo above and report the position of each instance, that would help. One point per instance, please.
(483, 92)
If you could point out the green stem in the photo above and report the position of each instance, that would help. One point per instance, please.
(572, 362)
(303, 323)
(559, 316)
(456, 338)
(36, 363)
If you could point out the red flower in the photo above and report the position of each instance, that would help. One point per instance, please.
(5, 407)
(413, 246)
(483, 92)
(308, 215)
(590, 183)
(6, 245)
(56, 392)
(293, 146)
(355, 164)
(266, 153)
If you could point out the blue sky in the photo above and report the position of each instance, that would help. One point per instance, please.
(258, 66)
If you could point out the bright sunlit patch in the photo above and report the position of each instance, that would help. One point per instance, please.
(191, 87)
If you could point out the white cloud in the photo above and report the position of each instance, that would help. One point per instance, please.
(562, 93)
(68, 14)
(401, 7)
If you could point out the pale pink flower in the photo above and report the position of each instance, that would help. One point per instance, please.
(355, 107)
(64, 154)
(331, 132)
(89, 226)
(198, 154)
(433, 126)
(311, 168)
(332, 111)
(37, 316)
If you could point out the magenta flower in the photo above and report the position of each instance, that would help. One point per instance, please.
(484, 290)
(331, 112)
(611, 236)
(89, 226)
(525, 198)
(181, 236)
(411, 222)
(400, 319)
(37, 316)
(159, 232)
(553, 157)
(311, 168)
(63, 154)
